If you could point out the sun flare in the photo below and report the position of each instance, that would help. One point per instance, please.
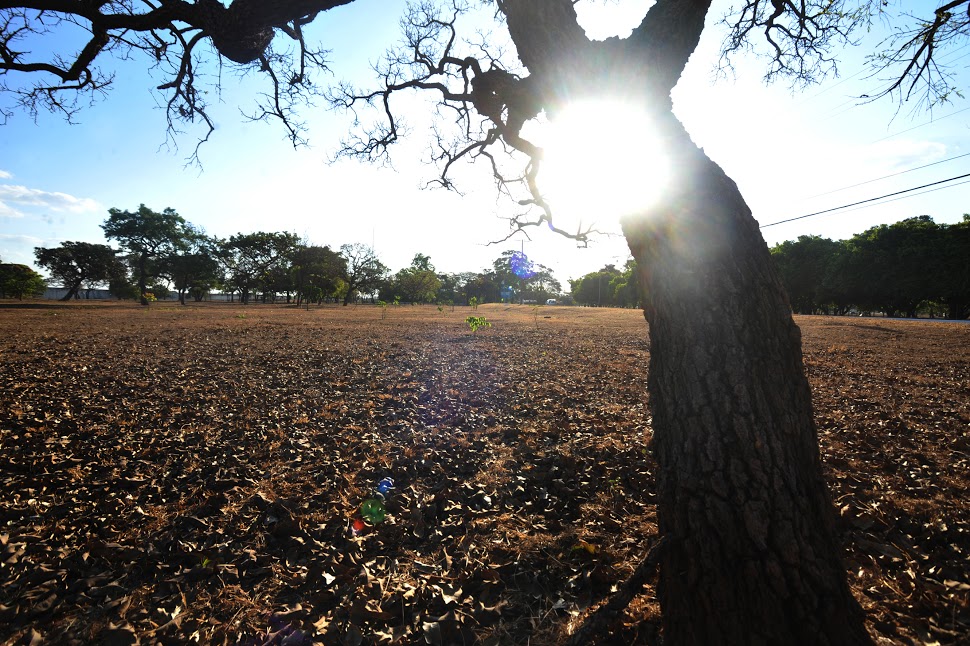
(602, 161)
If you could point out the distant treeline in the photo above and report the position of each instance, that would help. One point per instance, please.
(911, 268)
(162, 254)
(608, 287)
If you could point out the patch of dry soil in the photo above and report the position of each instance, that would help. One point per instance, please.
(178, 474)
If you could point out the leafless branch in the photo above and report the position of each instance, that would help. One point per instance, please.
(168, 33)
(801, 38)
(911, 58)
(488, 104)
(800, 35)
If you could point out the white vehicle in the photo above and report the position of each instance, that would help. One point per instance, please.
(551, 301)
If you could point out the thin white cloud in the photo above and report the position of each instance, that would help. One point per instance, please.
(903, 154)
(33, 197)
(5, 174)
(7, 211)
(20, 239)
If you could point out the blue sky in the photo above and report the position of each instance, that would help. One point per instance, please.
(57, 180)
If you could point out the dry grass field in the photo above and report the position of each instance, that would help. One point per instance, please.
(192, 474)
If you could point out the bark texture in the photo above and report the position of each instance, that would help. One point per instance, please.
(753, 553)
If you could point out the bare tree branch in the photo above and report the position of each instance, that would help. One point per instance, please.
(804, 37)
(168, 33)
(911, 58)
(801, 35)
(490, 104)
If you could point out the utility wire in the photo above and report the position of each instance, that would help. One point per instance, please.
(904, 197)
(870, 181)
(871, 199)
(952, 59)
(896, 134)
(855, 101)
(859, 101)
(832, 87)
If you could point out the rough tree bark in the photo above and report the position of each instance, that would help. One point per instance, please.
(142, 277)
(752, 552)
(71, 291)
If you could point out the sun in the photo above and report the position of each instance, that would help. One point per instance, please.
(602, 161)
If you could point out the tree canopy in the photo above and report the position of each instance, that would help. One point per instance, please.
(365, 271)
(902, 269)
(415, 284)
(253, 257)
(608, 287)
(18, 281)
(74, 264)
(149, 237)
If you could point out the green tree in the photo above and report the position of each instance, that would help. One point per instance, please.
(365, 272)
(485, 287)
(529, 280)
(898, 265)
(915, 244)
(805, 266)
(417, 283)
(954, 255)
(751, 550)
(195, 269)
(195, 273)
(276, 281)
(453, 287)
(123, 289)
(18, 281)
(317, 273)
(900, 269)
(512, 270)
(844, 282)
(543, 285)
(150, 238)
(422, 262)
(625, 287)
(75, 264)
(596, 289)
(249, 259)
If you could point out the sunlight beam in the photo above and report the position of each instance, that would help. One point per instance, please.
(603, 160)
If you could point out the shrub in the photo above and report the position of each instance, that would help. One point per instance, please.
(475, 322)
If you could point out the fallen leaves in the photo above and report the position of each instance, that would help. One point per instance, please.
(185, 475)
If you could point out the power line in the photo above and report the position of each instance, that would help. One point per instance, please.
(856, 101)
(953, 58)
(872, 199)
(870, 181)
(932, 190)
(831, 87)
(932, 121)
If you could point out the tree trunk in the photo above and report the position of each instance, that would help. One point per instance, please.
(142, 277)
(72, 291)
(753, 549)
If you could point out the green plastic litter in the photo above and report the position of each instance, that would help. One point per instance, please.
(373, 511)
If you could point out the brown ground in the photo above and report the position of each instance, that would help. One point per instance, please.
(191, 474)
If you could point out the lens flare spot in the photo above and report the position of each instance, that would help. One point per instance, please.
(373, 511)
(521, 265)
